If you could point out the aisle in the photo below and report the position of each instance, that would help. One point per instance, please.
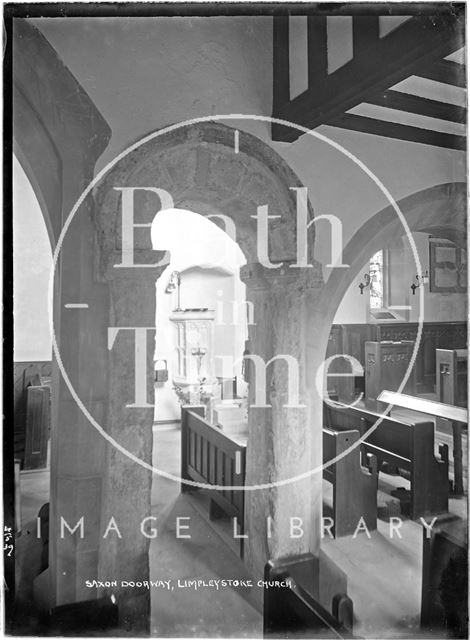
(178, 609)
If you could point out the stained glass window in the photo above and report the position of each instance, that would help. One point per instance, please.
(376, 270)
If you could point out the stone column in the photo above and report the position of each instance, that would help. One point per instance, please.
(58, 136)
(283, 442)
(127, 484)
(77, 449)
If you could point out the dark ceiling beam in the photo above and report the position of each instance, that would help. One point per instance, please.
(399, 131)
(445, 71)
(156, 9)
(418, 105)
(365, 33)
(317, 50)
(415, 44)
(281, 73)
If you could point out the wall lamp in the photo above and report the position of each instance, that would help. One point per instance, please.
(366, 283)
(421, 280)
(175, 283)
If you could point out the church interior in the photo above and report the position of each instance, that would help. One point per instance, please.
(240, 321)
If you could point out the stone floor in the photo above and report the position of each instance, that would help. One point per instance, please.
(185, 612)
(384, 574)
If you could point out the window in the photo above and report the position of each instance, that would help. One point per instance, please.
(386, 269)
(376, 270)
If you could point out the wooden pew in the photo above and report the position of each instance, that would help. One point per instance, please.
(451, 388)
(451, 376)
(409, 446)
(310, 601)
(354, 489)
(444, 590)
(351, 339)
(211, 457)
(457, 416)
(38, 421)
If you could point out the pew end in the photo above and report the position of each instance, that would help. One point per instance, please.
(210, 457)
(354, 487)
(343, 610)
(405, 445)
(444, 452)
(314, 602)
(372, 464)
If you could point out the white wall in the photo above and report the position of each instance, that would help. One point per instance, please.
(209, 279)
(147, 73)
(144, 74)
(32, 261)
(438, 307)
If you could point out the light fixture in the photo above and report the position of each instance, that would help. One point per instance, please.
(421, 280)
(366, 283)
(175, 283)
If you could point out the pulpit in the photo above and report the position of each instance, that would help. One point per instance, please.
(194, 353)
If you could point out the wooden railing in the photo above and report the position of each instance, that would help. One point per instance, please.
(210, 457)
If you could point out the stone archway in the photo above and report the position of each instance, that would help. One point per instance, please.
(439, 210)
(198, 167)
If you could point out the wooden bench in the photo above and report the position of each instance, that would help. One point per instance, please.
(451, 388)
(211, 457)
(354, 489)
(443, 413)
(310, 601)
(444, 590)
(451, 376)
(409, 446)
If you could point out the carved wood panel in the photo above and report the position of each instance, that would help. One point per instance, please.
(435, 335)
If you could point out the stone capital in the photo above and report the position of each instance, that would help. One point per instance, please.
(146, 267)
(259, 278)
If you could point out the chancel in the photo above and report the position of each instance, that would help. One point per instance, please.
(240, 401)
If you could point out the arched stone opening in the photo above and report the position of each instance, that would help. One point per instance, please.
(57, 143)
(32, 261)
(199, 289)
(199, 168)
(438, 210)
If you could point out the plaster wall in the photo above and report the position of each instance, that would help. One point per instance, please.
(438, 307)
(32, 261)
(146, 74)
(200, 288)
(160, 71)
